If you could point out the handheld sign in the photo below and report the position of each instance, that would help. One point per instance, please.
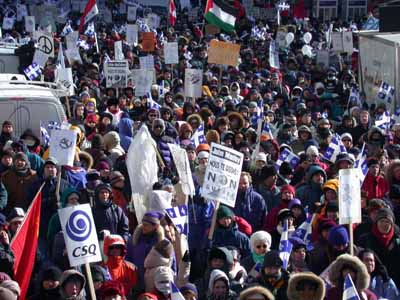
(148, 41)
(116, 73)
(223, 53)
(193, 83)
(221, 180)
(80, 234)
(62, 146)
(171, 53)
(349, 196)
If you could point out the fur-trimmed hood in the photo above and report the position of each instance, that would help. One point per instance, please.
(155, 259)
(293, 293)
(335, 271)
(138, 233)
(256, 290)
(64, 277)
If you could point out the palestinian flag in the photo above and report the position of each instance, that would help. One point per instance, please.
(221, 14)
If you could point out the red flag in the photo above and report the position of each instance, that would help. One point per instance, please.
(172, 13)
(24, 245)
(90, 11)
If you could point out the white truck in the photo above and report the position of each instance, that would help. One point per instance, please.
(379, 54)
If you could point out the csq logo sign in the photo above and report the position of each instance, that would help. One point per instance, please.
(78, 227)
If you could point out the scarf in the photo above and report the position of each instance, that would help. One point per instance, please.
(384, 239)
(258, 258)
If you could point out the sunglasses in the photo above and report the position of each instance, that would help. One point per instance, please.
(261, 246)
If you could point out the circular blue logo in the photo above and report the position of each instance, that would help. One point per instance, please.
(78, 226)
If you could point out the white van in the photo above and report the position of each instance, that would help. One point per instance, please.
(26, 103)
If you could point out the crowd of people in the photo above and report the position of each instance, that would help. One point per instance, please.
(305, 106)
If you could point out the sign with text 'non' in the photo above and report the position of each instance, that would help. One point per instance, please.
(222, 176)
(116, 74)
(80, 234)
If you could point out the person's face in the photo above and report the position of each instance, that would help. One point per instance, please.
(220, 289)
(50, 284)
(299, 254)
(219, 102)
(318, 178)
(203, 161)
(333, 215)
(152, 117)
(244, 183)
(260, 164)
(296, 211)
(222, 128)
(104, 195)
(189, 296)
(347, 143)
(115, 250)
(106, 121)
(166, 115)
(384, 226)
(330, 195)
(15, 225)
(73, 199)
(20, 164)
(158, 129)
(225, 222)
(287, 196)
(272, 271)
(304, 135)
(348, 122)
(369, 261)
(307, 292)
(291, 120)
(191, 155)
(261, 248)
(217, 263)
(50, 171)
(8, 129)
(7, 161)
(104, 173)
(148, 228)
(271, 180)
(374, 169)
(80, 110)
(364, 118)
(72, 288)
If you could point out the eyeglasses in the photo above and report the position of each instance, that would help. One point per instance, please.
(261, 246)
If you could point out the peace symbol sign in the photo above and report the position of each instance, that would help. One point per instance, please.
(65, 143)
(45, 44)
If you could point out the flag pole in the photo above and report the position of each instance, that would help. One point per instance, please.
(351, 239)
(214, 221)
(90, 280)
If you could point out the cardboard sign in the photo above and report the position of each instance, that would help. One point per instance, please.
(223, 53)
(193, 83)
(211, 29)
(221, 181)
(73, 56)
(148, 41)
(62, 146)
(132, 34)
(116, 73)
(45, 42)
(80, 234)
(171, 53)
(349, 196)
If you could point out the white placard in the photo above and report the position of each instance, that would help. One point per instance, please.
(281, 39)
(71, 39)
(193, 82)
(153, 21)
(40, 58)
(221, 181)
(62, 146)
(8, 23)
(348, 42)
(30, 23)
(80, 234)
(131, 15)
(337, 41)
(183, 167)
(349, 196)
(45, 42)
(171, 53)
(132, 34)
(73, 55)
(147, 62)
(118, 53)
(64, 76)
(143, 80)
(22, 11)
(116, 73)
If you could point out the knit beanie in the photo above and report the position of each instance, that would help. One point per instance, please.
(288, 188)
(268, 171)
(6, 294)
(224, 212)
(52, 273)
(189, 287)
(272, 259)
(165, 248)
(115, 177)
(152, 217)
(22, 156)
(111, 288)
(385, 213)
(338, 236)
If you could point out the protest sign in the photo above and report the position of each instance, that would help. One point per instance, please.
(153, 21)
(147, 41)
(143, 80)
(116, 73)
(30, 23)
(147, 62)
(80, 234)
(132, 34)
(193, 82)
(281, 39)
(71, 39)
(22, 11)
(64, 76)
(342, 42)
(118, 53)
(323, 58)
(45, 48)
(183, 167)
(73, 55)
(8, 23)
(349, 196)
(171, 53)
(221, 180)
(131, 14)
(223, 53)
(62, 146)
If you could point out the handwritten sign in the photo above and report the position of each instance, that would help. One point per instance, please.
(223, 53)
(148, 41)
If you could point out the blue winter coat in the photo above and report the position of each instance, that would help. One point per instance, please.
(386, 290)
(272, 197)
(162, 146)
(310, 193)
(126, 133)
(200, 216)
(224, 237)
(250, 205)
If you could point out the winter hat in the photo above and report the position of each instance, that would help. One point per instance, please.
(111, 288)
(372, 161)
(294, 203)
(375, 204)
(203, 147)
(91, 118)
(332, 184)
(152, 217)
(165, 248)
(112, 101)
(260, 236)
(22, 156)
(203, 154)
(312, 150)
(256, 293)
(297, 282)
(261, 156)
(159, 122)
(344, 157)
(268, 171)
(52, 273)
(288, 188)
(93, 175)
(284, 214)
(338, 236)
(16, 214)
(103, 186)
(385, 213)
(224, 212)
(297, 243)
(103, 165)
(272, 259)
(115, 177)
(285, 169)
(12, 285)
(51, 161)
(326, 224)
(6, 294)
(346, 135)
(189, 287)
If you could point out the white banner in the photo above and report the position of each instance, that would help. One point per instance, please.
(62, 146)
(193, 83)
(22, 11)
(73, 55)
(118, 53)
(221, 180)
(30, 23)
(183, 167)
(171, 53)
(131, 15)
(80, 234)
(349, 196)
(45, 42)
(71, 39)
(132, 34)
(147, 62)
(116, 73)
(143, 79)
(153, 21)
(64, 76)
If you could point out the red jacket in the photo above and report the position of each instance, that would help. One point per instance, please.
(375, 187)
(271, 220)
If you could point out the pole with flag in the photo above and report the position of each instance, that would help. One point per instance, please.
(90, 11)
(285, 246)
(349, 289)
(25, 243)
(172, 13)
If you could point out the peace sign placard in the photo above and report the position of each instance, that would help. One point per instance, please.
(45, 42)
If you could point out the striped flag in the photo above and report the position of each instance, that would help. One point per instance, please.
(198, 136)
(221, 14)
(91, 10)
(304, 232)
(361, 164)
(67, 29)
(335, 147)
(44, 134)
(266, 130)
(176, 294)
(172, 13)
(287, 156)
(384, 121)
(179, 216)
(349, 290)
(259, 114)
(285, 246)
(386, 92)
(33, 71)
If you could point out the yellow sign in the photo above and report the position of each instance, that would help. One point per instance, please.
(223, 53)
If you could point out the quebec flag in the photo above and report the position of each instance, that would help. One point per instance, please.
(386, 92)
(304, 232)
(335, 147)
(198, 136)
(349, 290)
(175, 293)
(361, 164)
(285, 246)
(287, 156)
(179, 216)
